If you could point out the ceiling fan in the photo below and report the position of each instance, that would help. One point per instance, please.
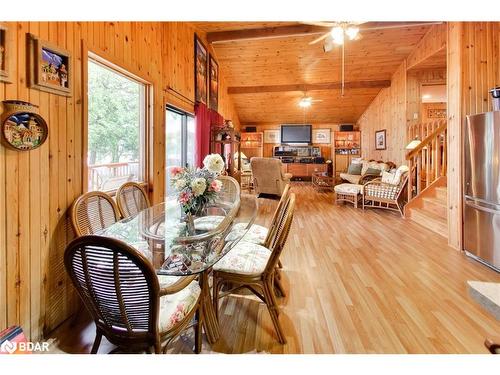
(307, 101)
(341, 31)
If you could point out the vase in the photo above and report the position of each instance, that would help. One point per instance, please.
(189, 220)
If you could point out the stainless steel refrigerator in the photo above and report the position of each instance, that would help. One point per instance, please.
(482, 188)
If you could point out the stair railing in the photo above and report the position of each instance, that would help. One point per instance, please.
(427, 161)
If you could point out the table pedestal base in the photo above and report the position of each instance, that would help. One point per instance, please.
(209, 319)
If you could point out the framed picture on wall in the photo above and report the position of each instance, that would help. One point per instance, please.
(272, 136)
(200, 71)
(50, 67)
(321, 136)
(6, 49)
(380, 140)
(213, 85)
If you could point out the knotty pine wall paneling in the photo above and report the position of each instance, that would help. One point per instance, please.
(387, 111)
(473, 69)
(38, 187)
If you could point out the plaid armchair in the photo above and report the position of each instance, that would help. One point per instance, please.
(387, 194)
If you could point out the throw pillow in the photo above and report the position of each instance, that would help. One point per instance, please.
(388, 177)
(354, 168)
(373, 171)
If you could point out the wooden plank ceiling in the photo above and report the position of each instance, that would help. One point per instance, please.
(268, 76)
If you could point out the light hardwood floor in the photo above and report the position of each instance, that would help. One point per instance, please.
(358, 282)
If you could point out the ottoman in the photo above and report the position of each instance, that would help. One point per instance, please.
(348, 193)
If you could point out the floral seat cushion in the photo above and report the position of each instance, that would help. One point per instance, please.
(348, 189)
(174, 307)
(256, 234)
(207, 223)
(245, 258)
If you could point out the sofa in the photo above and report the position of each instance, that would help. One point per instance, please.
(361, 171)
(268, 176)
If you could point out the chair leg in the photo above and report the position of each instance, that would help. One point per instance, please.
(216, 288)
(279, 286)
(198, 331)
(280, 265)
(97, 342)
(272, 307)
(158, 346)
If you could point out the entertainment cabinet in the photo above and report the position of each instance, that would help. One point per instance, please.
(301, 161)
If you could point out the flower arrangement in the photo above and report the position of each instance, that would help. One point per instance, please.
(198, 186)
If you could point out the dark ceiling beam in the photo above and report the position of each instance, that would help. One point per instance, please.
(308, 87)
(264, 33)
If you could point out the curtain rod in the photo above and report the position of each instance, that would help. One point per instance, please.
(181, 95)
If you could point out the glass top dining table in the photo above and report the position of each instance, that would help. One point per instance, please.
(160, 233)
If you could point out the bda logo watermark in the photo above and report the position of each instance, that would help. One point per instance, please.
(10, 347)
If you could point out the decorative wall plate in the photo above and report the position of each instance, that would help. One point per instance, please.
(22, 128)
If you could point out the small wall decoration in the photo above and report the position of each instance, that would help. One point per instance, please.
(50, 67)
(272, 136)
(5, 52)
(380, 140)
(321, 136)
(436, 113)
(23, 129)
(200, 71)
(213, 87)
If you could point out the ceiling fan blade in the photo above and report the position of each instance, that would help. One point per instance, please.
(399, 25)
(320, 23)
(319, 39)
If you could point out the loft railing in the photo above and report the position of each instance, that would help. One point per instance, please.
(427, 161)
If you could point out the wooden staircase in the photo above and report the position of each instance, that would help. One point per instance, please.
(427, 190)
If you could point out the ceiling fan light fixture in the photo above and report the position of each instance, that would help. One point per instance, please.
(352, 32)
(337, 34)
(305, 102)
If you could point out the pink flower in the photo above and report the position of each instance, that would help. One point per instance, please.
(184, 197)
(176, 170)
(216, 185)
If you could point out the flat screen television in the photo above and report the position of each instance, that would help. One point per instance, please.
(296, 133)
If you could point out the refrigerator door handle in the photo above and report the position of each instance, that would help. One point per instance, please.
(482, 208)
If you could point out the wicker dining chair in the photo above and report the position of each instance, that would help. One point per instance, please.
(252, 266)
(131, 199)
(92, 212)
(493, 344)
(122, 293)
(231, 190)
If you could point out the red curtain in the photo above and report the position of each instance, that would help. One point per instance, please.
(204, 118)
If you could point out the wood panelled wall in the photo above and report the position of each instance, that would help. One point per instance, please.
(473, 69)
(38, 187)
(393, 108)
(326, 149)
(414, 81)
(387, 111)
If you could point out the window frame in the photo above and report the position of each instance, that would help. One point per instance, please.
(102, 58)
(184, 130)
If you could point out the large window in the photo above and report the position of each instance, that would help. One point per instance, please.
(180, 141)
(117, 105)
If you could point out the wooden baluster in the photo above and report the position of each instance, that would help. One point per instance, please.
(437, 156)
(410, 179)
(419, 172)
(445, 156)
(428, 154)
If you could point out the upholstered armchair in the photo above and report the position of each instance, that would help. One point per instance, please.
(268, 176)
(387, 192)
